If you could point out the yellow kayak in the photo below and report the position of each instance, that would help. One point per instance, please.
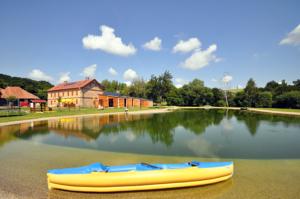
(136, 177)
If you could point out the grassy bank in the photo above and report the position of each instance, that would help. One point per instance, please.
(280, 109)
(66, 112)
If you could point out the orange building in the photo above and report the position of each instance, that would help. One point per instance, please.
(90, 93)
(109, 99)
(82, 93)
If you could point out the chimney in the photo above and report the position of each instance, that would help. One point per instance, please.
(65, 82)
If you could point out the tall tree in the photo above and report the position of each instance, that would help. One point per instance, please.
(153, 89)
(138, 88)
(218, 97)
(165, 84)
(251, 92)
(271, 86)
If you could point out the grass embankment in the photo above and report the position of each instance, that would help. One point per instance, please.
(280, 110)
(67, 112)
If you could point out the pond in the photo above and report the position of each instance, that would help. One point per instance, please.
(263, 147)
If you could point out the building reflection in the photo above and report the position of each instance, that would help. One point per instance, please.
(89, 128)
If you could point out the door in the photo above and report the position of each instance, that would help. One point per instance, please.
(111, 102)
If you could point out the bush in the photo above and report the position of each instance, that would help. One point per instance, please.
(264, 99)
(288, 100)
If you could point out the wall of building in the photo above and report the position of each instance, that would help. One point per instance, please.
(120, 101)
(129, 102)
(64, 94)
(85, 97)
(90, 95)
(136, 102)
(146, 103)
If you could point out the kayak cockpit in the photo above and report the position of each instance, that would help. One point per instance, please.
(98, 167)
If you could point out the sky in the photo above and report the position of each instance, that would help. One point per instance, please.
(215, 41)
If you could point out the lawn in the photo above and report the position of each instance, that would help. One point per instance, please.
(280, 109)
(66, 112)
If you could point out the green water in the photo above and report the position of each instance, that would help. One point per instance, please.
(200, 133)
(265, 149)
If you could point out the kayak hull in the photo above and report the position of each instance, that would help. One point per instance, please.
(140, 180)
(138, 187)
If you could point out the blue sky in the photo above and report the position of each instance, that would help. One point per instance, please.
(49, 40)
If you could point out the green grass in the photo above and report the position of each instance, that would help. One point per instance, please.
(66, 112)
(280, 109)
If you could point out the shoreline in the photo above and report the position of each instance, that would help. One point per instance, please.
(256, 110)
(162, 110)
(149, 111)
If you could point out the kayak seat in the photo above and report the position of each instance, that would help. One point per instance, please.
(194, 163)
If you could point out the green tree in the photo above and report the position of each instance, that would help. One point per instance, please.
(241, 99)
(138, 88)
(251, 92)
(115, 86)
(288, 100)
(174, 97)
(296, 84)
(195, 93)
(158, 88)
(282, 88)
(271, 86)
(218, 97)
(165, 85)
(264, 99)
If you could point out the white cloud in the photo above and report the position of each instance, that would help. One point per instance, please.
(214, 80)
(130, 75)
(227, 79)
(187, 46)
(64, 77)
(154, 44)
(240, 86)
(292, 38)
(89, 71)
(201, 58)
(112, 71)
(37, 74)
(128, 83)
(108, 42)
(180, 82)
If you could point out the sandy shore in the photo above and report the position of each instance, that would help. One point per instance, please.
(24, 166)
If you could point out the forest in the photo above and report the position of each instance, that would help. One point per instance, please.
(162, 91)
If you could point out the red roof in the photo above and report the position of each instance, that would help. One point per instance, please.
(18, 92)
(73, 85)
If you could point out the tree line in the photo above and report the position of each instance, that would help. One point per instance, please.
(162, 91)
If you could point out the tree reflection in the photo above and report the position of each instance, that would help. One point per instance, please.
(161, 128)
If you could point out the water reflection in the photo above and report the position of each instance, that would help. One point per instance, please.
(188, 132)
